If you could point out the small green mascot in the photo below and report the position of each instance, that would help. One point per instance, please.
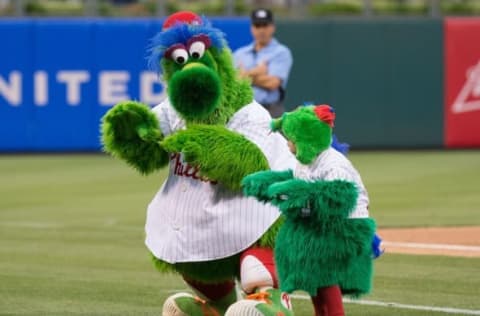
(325, 245)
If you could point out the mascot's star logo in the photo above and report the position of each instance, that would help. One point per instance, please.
(469, 97)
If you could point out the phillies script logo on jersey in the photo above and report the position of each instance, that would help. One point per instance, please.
(469, 97)
(182, 169)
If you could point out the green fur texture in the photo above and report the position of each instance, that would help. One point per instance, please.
(220, 99)
(221, 154)
(310, 135)
(213, 271)
(194, 92)
(130, 131)
(321, 200)
(318, 245)
(236, 91)
(257, 184)
(312, 254)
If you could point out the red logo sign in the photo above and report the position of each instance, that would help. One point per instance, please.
(462, 82)
(469, 97)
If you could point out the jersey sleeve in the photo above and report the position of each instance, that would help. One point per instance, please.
(338, 173)
(168, 119)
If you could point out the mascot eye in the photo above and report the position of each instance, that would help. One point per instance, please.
(180, 56)
(197, 49)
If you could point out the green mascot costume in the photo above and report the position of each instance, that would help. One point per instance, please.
(211, 134)
(325, 245)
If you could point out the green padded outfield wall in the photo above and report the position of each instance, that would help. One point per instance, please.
(384, 77)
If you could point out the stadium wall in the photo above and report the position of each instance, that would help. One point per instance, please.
(384, 77)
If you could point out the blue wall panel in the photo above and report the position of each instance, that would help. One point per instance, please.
(15, 62)
(59, 76)
(63, 51)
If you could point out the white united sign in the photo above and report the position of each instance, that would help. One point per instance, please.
(112, 87)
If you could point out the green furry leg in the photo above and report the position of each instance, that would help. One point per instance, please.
(223, 303)
(209, 273)
(213, 271)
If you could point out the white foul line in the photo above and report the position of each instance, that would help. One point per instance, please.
(447, 310)
(431, 246)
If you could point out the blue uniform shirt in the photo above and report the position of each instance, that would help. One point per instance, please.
(278, 59)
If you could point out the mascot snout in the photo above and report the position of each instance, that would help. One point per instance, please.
(195, 90)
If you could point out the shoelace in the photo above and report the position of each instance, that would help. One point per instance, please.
(260, 296)
(206, 309)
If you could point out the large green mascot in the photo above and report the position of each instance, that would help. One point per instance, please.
(211, 134)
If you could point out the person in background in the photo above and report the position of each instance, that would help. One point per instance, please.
(266, 62)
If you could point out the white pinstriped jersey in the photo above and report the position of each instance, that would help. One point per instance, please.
(332, 165)
(194, 219)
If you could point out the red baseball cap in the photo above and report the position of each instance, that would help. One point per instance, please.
(186, 17)
(325, 113)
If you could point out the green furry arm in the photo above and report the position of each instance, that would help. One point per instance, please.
(221, 154)
(257, 184)
(130, 131)
(318, 200)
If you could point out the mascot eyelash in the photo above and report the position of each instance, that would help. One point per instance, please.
(180, 34)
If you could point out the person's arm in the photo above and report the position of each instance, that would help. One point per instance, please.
(278, 72)
(260, 77)
(260, 69)
(267, 81)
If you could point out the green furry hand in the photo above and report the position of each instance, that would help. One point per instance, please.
(257, 184)
(220, 154)
(131, 120)
(131, 132)
(292, 197)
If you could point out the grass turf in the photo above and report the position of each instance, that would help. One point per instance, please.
(421, 188)
(71, 234)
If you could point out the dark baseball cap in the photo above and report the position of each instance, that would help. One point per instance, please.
(262, 17)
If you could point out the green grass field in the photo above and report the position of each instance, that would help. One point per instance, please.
(71, 235)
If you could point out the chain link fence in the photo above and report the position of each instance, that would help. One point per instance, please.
(284, 8)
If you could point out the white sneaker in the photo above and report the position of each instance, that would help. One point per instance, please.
(185, 304)
(271, 302)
